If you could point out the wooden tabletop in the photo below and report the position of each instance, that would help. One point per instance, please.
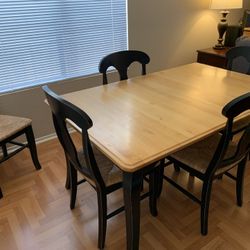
(140, 120)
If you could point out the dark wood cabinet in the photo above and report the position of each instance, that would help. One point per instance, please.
(212, 57)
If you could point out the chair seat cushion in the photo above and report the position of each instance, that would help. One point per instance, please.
(9, 125)
(110, 173)
(199, 155)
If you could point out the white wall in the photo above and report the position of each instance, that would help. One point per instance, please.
(170, 31)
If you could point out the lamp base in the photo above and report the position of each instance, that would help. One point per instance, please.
(219, 46)
(222, 27)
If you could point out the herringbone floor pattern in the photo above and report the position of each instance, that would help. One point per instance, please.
(35, 213)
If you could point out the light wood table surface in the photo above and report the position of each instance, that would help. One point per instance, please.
(143, 119)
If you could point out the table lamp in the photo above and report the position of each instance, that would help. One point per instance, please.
(224, 5)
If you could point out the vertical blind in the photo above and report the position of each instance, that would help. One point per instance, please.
(44, 41)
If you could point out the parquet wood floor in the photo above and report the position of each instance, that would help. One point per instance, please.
(35, 213)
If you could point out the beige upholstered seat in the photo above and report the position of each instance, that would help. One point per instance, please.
(12, 127)
(200, 154)
(9, 125)
(110, 173)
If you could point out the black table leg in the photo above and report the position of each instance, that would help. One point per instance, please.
(132, 187)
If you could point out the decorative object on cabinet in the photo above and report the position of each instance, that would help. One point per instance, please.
(224, 5)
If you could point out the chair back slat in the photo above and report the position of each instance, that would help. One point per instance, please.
(243, 145)
(121, 60)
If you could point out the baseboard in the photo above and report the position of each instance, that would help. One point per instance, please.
(39, 140)
(46, 138)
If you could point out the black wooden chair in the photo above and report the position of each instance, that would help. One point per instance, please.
(216, 155)
(97, 170)
(238, 59)
(121, 61)
(12, 127)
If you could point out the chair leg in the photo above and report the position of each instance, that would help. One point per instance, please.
(102, 218)
(205, 200)
(5, 152)
(153, 190)
(1, 194)
(73, 185)
(32, 146)
(240, 181)
(67, 182)
(160, 178)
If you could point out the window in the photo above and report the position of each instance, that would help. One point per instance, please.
(44, 41)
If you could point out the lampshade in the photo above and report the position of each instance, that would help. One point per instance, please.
(225, 4)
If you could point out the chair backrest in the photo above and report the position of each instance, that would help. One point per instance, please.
(62, 111)
(238, 59)
(121, 61)
(231, 110)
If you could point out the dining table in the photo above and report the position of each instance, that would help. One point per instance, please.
(141, 120)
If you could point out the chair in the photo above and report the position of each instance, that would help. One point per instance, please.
(97, 170)
(121, 61)
(238, 59)
(214, 156)
(10, 128)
